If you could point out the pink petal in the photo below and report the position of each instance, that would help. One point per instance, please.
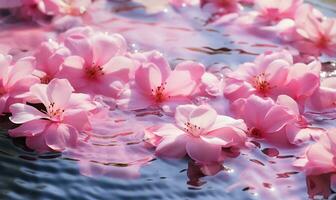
(115, 44)
(133, 99)
(168, 130)
(231, 135)
(29, 129)
(255, 110)
(172, 146)
(202, 151)
(225, 121)
(203, 116)
(148, 77)
(278, 71)
(160, 61)
(297, 135)
(196, 69)
(40, 92)
(60, 136)
(276, 118)
(79, 45)
(120, 66)
(76, 118)
(182, 114)
(21, 69)
(59, 92)
(180, 83)
(37, 143)
(73, 70)
(22, 113)
(288, 102)
(3, 103)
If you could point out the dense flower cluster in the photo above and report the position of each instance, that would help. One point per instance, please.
(268, 98)
(53, 95)
(292, 21)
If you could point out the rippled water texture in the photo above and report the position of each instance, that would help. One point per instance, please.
(263, 173)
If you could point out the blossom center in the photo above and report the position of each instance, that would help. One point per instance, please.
(94, 72)
(193, 129)
(2, 91)
(261, 84)
(45, 79)
(158, 93)
(53, 111)
(254, 132)
(70, 7)
(323, 42)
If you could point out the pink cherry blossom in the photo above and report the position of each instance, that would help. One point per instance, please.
(299, 131)
(221, 7)
(97, 65)
(266, 76)
(276, 10)
(324, 98)
(319, 159)
(156, 84)
(200, 133)
(58, 126)
(263, 117)
(273, 74)
(318, 35)
(15, 80)
(302, 81)
(212, 85)
(70, 7)
(49, 58)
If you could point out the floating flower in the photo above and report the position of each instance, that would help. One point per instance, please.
(299, 131)
(319, 160)
(221, 7)
(324, 98)
(262, 116)
(302, 80)
(276, 10)
(200, 133)
(273, 74)
(57, 126)
(318, 35)
(157, 85)
(15, 80)
(70, 7)
(97, 65)
(49, 58)
(265, 77)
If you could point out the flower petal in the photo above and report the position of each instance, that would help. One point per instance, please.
(202, 151)
(173, 147)
(37, 143)
(148, 77)
(60, 136)
(59, 92)
(182, 114)
(22, 113)
(203, 116)
(276, 118)
(29, 129)
(115, 44)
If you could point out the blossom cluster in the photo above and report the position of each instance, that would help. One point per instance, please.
(292, 21)
(54, 94)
